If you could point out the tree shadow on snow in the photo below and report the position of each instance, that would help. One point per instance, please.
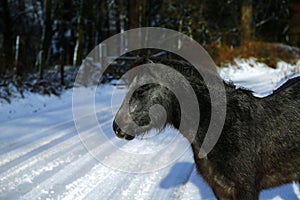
(185, 174)
(178, 175)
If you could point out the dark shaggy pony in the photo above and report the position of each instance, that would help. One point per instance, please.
(259, 146)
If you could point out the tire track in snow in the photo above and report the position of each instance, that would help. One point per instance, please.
(19, 138)
(51, 159)
(83, 186)
(77, 168)
(98, 176)
(28, 170)
(32, 143)
(105, 191)
(154, 185)
(17, 155)
(138, 186)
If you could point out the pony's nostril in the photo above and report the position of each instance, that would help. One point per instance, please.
(118, 131)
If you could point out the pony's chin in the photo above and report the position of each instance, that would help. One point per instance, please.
(148, 134)
(120, 134)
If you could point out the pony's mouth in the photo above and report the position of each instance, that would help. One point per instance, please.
(120, 134)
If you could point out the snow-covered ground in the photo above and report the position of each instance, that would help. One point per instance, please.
(42, 156)
(257, 76)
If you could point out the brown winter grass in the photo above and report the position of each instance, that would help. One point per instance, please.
(266, 52)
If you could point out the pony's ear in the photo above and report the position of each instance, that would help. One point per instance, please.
(131, 74)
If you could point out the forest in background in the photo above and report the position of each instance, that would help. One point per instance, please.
(41, 35)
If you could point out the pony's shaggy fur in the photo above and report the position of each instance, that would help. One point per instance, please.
(259, 145)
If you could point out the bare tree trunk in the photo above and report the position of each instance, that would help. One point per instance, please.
(78, 52)
(106, 20)
(91, 35)
(133, 14)
(147, 13)
(142, 13)
(62, 64)
(17, 52)
(8, 40)
(118, 16)
(91, 12)
(125, 9)
(47, 36)
(98, 27)
(246, 20)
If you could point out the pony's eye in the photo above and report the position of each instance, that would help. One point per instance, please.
(139, 92)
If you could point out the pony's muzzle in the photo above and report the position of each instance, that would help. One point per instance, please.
(119, 133)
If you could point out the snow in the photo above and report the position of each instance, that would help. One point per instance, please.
(42, 157)
(258, 77)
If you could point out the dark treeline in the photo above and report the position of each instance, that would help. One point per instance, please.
(39, 34)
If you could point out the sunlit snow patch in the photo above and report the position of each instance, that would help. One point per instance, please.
(257, 76)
